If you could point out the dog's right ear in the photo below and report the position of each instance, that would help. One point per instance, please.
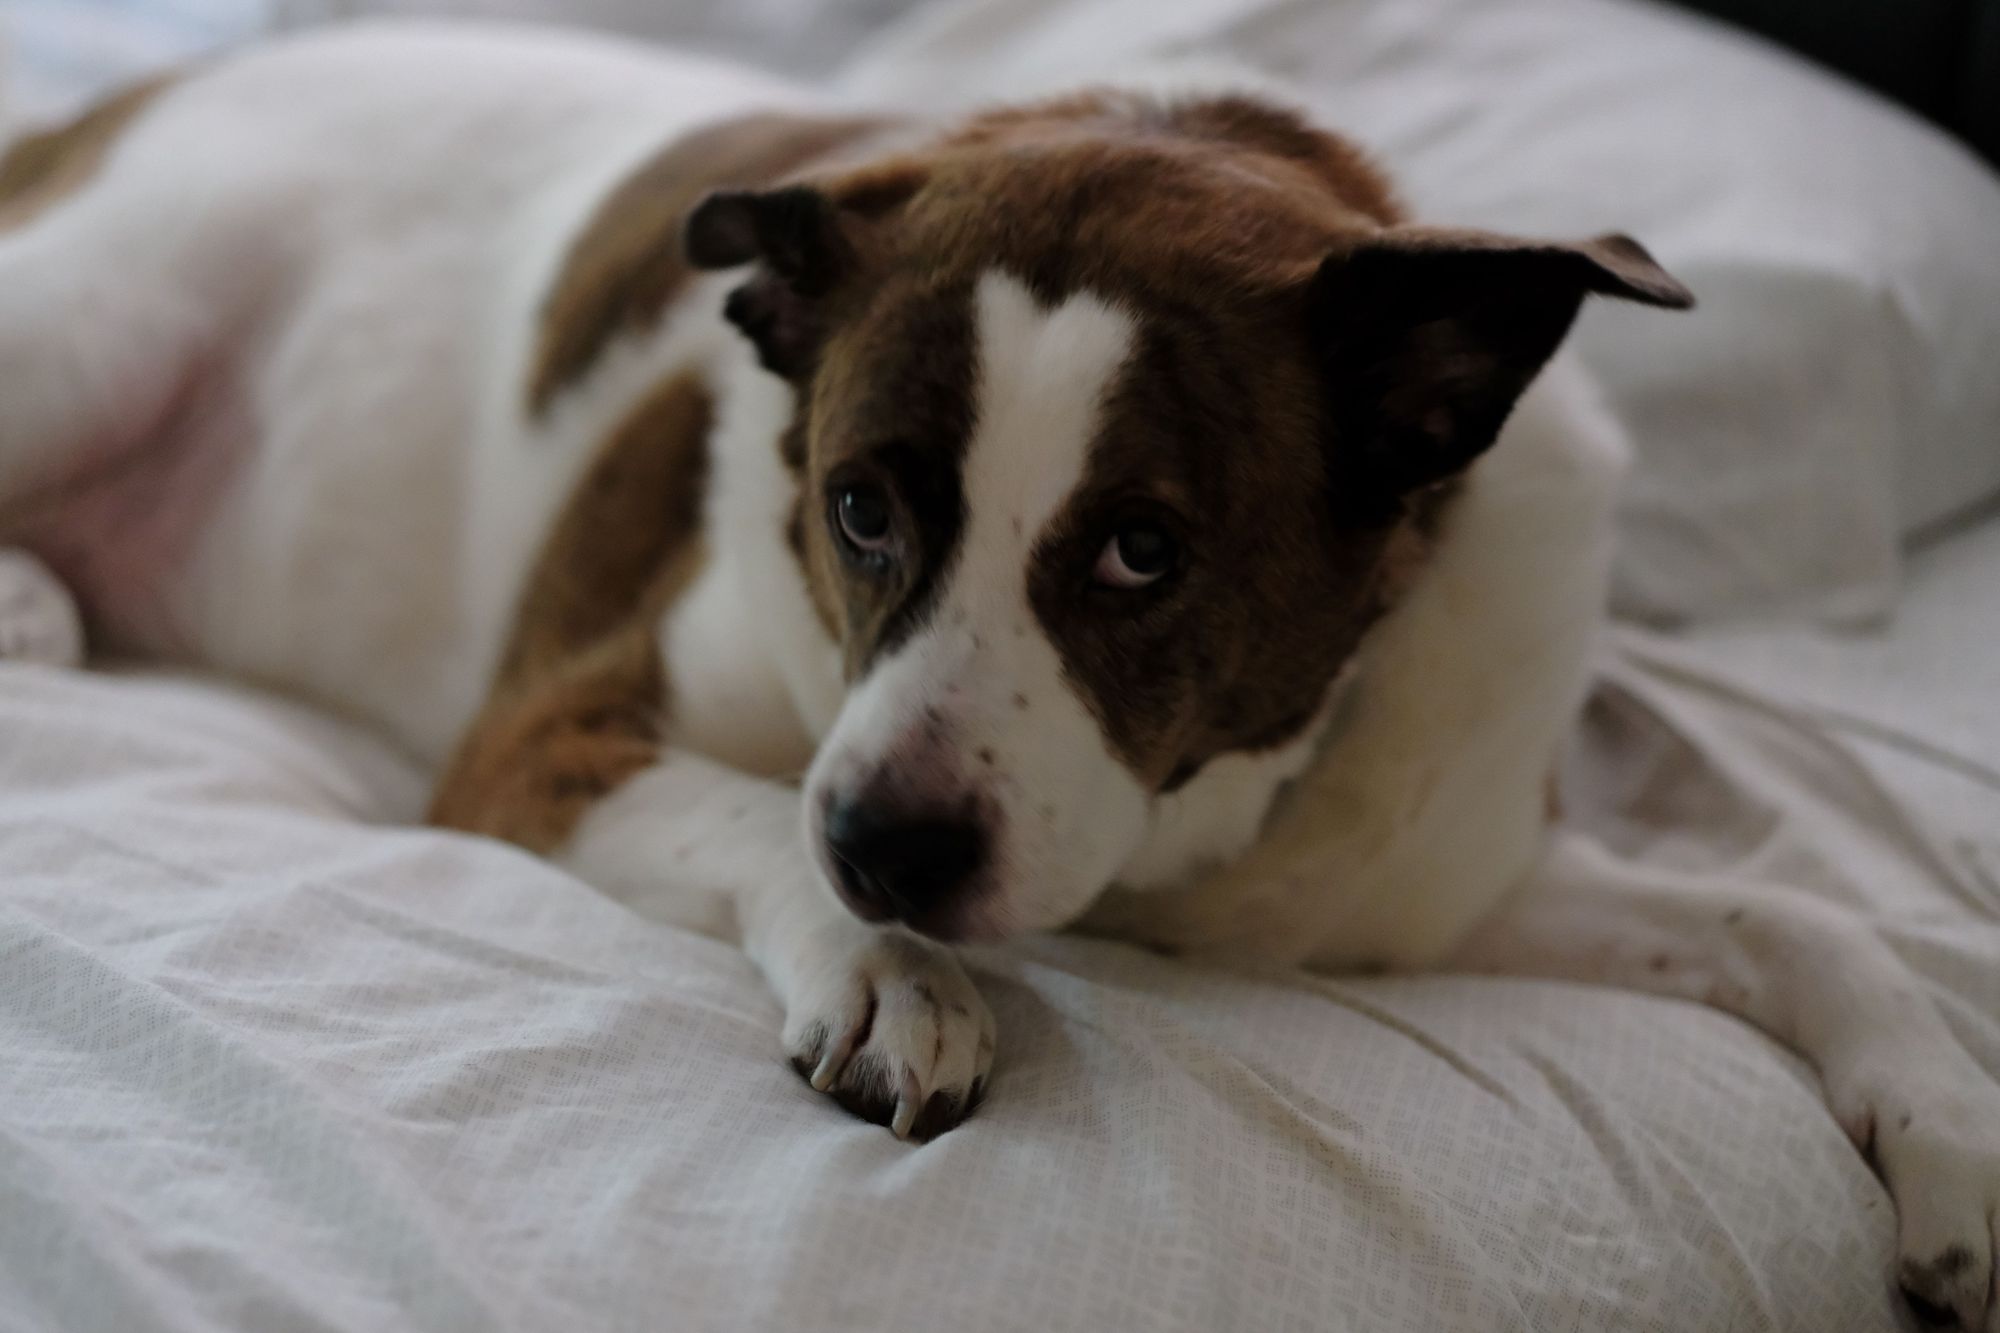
(793, 236)
(1426, 336)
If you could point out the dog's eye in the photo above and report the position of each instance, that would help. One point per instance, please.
(1135, 556)
(863, 514)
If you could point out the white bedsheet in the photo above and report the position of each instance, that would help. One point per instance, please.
(272, 1063)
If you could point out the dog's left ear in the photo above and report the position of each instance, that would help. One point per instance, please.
(1427, 336)
(794, 237)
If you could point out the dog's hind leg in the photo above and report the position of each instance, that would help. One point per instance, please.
(97, 321)
(91, 356)
(1814, 976)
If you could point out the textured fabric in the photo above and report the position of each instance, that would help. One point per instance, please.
(269, 1070)
(1925, 53)
(274, 1063)
(38, 620)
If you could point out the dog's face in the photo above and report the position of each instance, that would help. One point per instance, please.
(1116, 426)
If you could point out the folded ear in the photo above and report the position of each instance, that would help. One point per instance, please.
(1427, 336)
(794, 237)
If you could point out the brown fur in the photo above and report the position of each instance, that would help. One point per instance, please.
(1310, 375)
(543, 752)
(580, 702)
(891, 402)
(628, 536)
(41, 170)
(1216, 224)
(626, 264)
(1207, 220)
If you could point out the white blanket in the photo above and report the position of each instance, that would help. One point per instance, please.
(273, 1063)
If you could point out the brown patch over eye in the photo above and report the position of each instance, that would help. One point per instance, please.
(889, 419)
(1225, 639)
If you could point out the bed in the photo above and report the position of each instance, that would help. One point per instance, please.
(276, 1060)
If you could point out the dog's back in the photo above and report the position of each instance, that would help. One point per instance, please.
(383, 296)
(306, 286)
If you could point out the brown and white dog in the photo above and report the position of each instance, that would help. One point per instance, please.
(856, 535)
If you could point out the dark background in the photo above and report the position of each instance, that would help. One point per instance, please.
(1940, 57)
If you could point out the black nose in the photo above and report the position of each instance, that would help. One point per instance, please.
(892, 864)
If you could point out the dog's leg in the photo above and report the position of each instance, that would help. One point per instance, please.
(107, 290)
(1815, 977)
(93, 348)
(52, 301)
(885, 1022)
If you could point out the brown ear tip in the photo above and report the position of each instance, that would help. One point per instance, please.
(1668, 292)
(1664, 290)
(720, 231)
(1638, 276)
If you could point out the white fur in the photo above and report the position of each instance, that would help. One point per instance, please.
(1072, 811)
(756, 678)
(858, 999)
(1219, 814)
(302, 316)
(354, 280)
(1818, 978)
(1427, 804)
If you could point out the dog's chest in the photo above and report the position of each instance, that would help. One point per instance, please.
(1429, 801)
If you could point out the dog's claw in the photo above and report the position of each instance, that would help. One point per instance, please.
(837, 1052)
(907, 1106)
(892, 1029)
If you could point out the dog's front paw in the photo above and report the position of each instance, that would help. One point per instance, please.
(892, 1028)
(1936, 1137)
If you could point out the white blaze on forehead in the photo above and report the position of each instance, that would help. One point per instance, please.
(1043, 374)
(979, 691)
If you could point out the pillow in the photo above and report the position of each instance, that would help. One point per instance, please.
(57, 54)
(804, 38)
(1835, 392)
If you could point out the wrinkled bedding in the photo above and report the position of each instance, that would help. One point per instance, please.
(274, 1060)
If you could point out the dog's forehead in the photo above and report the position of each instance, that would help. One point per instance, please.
(1009, 383)
(1044, 375)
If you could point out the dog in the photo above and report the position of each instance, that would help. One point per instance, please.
(856, 534)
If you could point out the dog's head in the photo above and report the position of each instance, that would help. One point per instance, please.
(1116, 421)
